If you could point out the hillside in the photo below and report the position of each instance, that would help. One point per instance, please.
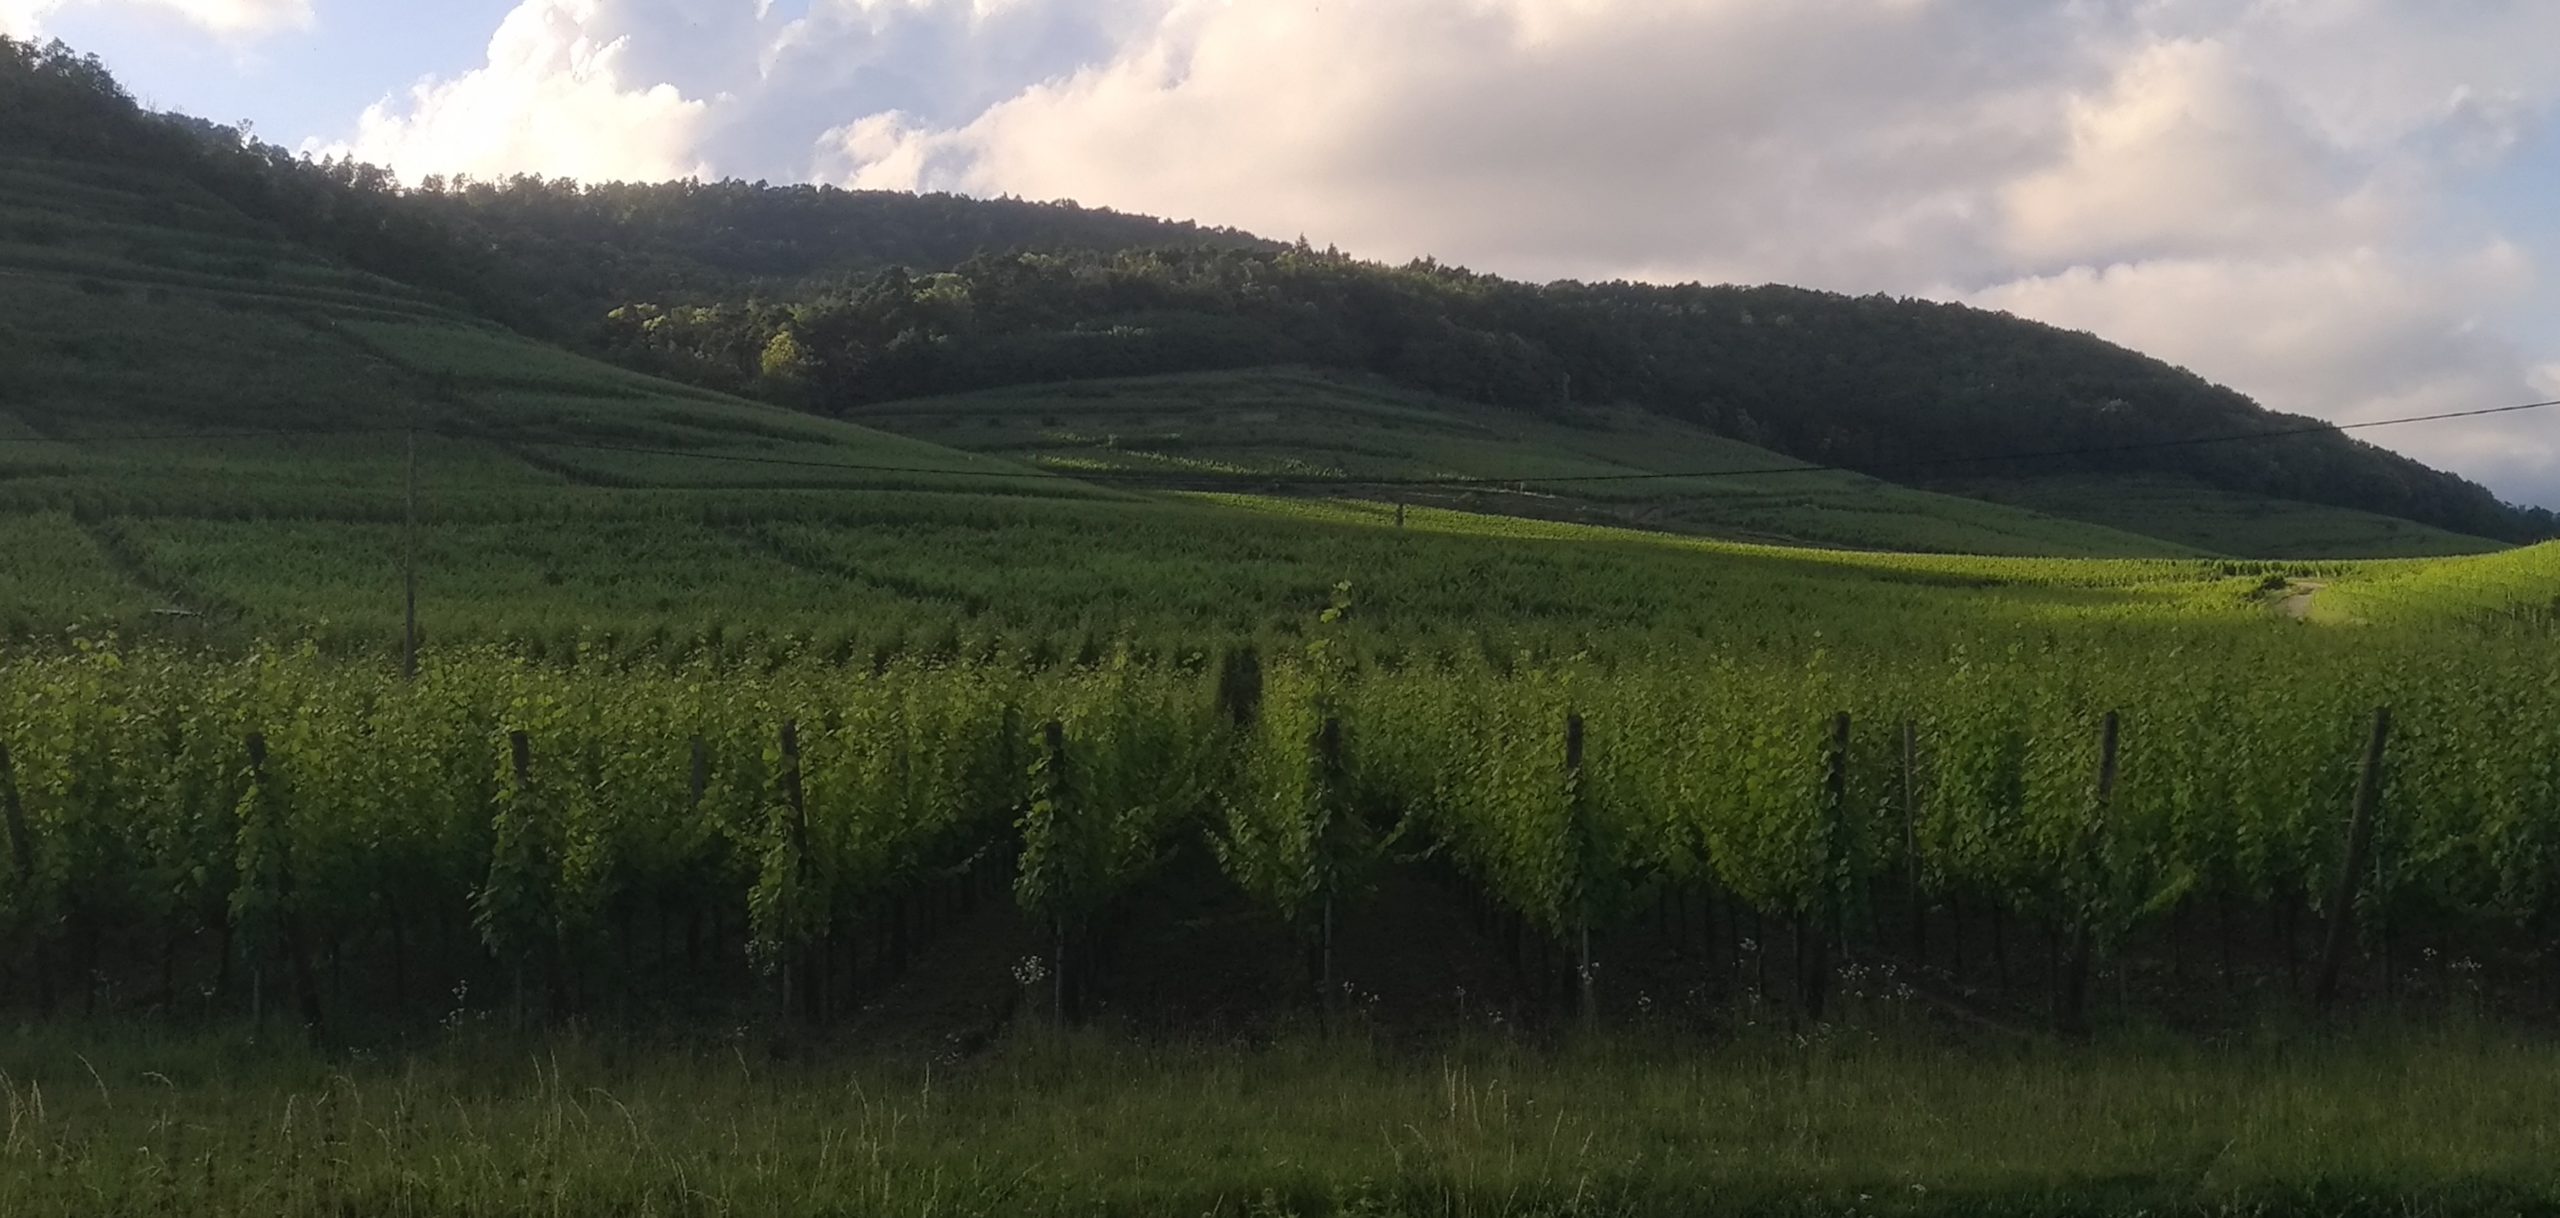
(205, 430)
(1293, 431)
(204, 434)
(2182, 511)
(1897, 388)
(831, 300)
(164, 329)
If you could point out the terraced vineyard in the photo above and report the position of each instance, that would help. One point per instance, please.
(1255, 431)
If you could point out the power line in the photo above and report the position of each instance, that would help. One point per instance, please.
(1179, 479)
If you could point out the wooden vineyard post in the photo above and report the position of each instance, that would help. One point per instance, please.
(2071, 1001)
(1814, 926)
(306, 987)
(1240, 685)
(1399, 513)
(520, 760)
(1053, 735)
(22, 846)
(1913, 898)
(1585, 977)
(698, 777)
(1329, 747)
(796, 802)
(409, 568)
(697, 786)
(22, 853)
(2342, 903)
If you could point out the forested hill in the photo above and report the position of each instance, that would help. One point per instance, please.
(548, 256)
(1907, 389)
(573, 253)
(831, 299)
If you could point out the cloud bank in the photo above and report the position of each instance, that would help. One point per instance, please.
(231, 18)
(2282, 195)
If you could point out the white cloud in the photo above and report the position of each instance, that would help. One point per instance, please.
(556, 98)
(667, 88)
(2184, 152)
(233, 18)
(1537, 137)
(2274, 193)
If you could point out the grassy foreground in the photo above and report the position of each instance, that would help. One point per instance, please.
(119, 1121)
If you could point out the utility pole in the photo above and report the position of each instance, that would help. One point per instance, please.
(409, 567)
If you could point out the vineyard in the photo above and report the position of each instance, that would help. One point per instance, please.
(1303, 765)
(194, 832)
(731, 711)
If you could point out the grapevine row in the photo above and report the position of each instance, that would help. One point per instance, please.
(188, 826)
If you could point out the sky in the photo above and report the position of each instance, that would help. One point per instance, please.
(2340, 207)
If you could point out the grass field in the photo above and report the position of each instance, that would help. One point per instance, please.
(471, 1122)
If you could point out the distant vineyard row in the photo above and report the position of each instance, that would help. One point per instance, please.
(972, 577)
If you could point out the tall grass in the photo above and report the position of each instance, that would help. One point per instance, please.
(114, 1120)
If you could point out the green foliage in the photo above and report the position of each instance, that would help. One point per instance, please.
(2510, 591)
(385, 806)
(1134, 760)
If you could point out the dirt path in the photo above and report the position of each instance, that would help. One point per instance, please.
(2297, 601)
